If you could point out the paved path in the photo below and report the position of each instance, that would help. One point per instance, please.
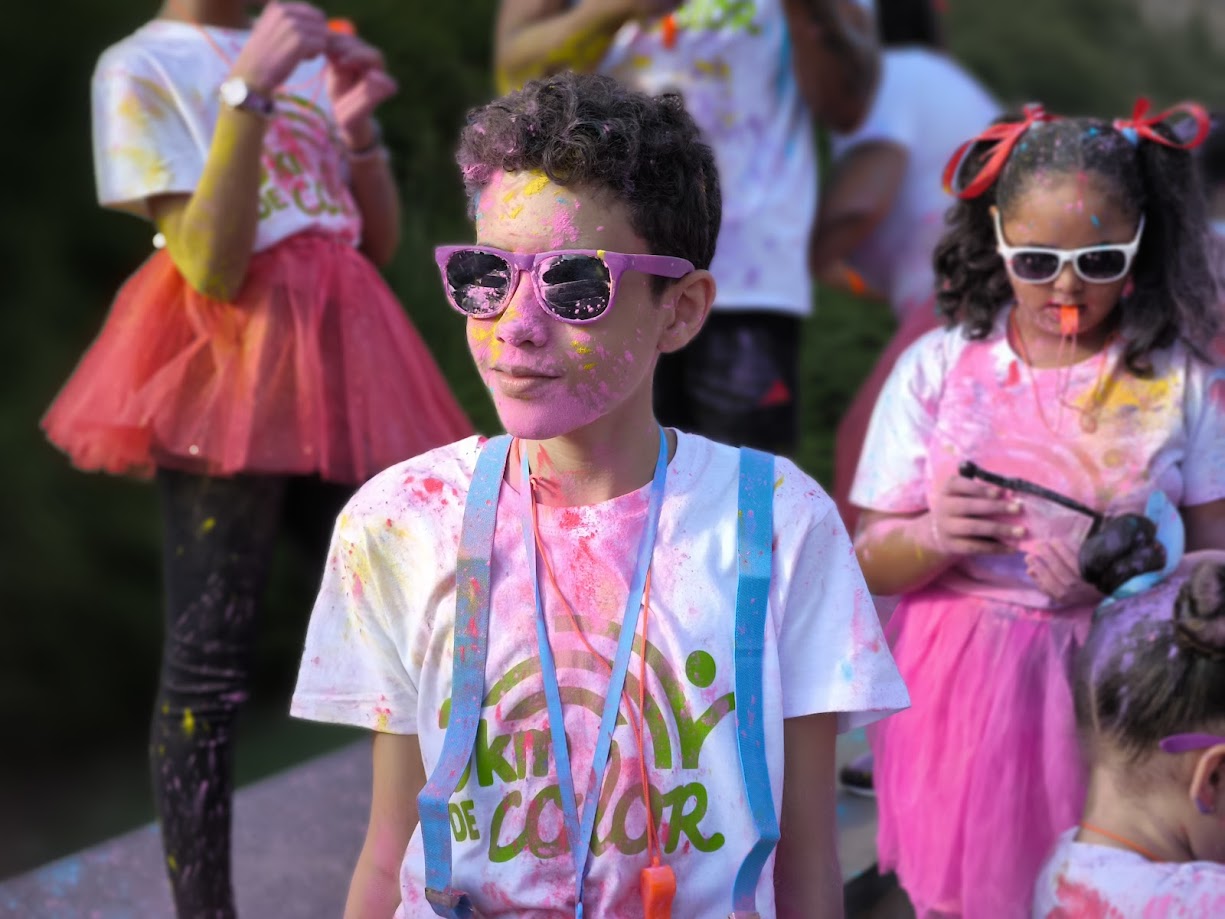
(296, 837)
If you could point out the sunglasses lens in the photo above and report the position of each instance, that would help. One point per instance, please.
(575, 288)
(1102, 265)
(478, 282)
(1035, 266)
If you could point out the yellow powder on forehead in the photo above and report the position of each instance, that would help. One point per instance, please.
(536, 185)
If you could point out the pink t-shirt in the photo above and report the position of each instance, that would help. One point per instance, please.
(1092, 431)
(1086, 881)
(379, 652)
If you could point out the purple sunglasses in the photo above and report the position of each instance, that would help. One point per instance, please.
(1185, 743)
(574, 285)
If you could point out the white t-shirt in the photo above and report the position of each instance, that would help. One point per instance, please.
(1085, 880)
(928, 105)
(155, 108)
(378, 655)
(1093, 432)
(732, 64)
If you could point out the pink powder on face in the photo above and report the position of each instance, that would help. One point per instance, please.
(548, 378)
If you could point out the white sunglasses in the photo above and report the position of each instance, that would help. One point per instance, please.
(1094, 264)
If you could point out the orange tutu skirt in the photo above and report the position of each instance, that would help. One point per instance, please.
(314, 369)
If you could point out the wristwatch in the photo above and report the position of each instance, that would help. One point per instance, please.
(235, 93)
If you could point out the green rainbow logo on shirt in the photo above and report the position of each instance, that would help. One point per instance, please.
(505, 756)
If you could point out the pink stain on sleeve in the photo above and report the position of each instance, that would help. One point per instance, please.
(1079, 901)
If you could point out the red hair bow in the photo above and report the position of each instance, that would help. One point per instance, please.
(1005, 136)
(1140, 127)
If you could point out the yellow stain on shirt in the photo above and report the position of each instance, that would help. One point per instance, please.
(173, 863)
(189, 722)
(779, 483)
(717, 68)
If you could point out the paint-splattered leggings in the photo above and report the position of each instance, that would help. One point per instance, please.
(219, 538)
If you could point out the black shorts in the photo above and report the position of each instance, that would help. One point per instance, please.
(737, 382)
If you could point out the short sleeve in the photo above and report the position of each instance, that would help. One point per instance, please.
(352, 669)
(893, 474)
(144, 144)
(1204, 466)
(892, 119)
(833, 656)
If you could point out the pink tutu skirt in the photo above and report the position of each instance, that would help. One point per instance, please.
(313, 369)
(977, 779)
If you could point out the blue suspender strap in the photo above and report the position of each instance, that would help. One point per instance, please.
(471, 644)
(755, 549)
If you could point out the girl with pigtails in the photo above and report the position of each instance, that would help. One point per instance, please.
(256, 365)
(1077, 294)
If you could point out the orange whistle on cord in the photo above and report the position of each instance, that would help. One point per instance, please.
(1069, 320)
(658, 884)
(342, 26)
(670, 30)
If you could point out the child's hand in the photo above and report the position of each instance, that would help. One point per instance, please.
(1055, 567)
(357, 85)
(285, 35)
(962, 518)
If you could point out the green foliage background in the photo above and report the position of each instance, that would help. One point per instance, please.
(79, 554)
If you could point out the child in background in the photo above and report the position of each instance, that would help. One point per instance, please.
(596, 211)
(882, 211)
(256, 353)
(1076, 277)
(1150, 708)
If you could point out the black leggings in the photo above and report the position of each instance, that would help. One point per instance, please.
(219, 538)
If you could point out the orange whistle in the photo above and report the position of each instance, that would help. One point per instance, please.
(658, 884)
(670, 30)
(342, 26)
(1069, 320)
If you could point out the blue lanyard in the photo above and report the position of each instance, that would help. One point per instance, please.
(579, 829)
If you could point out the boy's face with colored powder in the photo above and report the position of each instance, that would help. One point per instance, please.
(549, 378)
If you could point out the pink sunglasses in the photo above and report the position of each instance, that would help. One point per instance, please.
(574, 285)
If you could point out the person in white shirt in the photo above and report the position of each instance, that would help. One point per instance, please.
(882, 210)
(531, 632)
(731, 60)
(1150, 708)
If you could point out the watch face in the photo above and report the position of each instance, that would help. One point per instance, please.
(234, 92)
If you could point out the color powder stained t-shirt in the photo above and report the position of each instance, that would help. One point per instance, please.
(379, 654)
(732, 64)
(1086, 881)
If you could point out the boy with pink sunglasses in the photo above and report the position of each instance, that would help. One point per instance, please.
(604, 660)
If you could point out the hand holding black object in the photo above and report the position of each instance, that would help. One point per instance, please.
(1116, 548)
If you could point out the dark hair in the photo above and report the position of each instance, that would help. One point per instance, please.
(1154, 664)
(908, 22)
(1211, 155)
(590, 131)
(1173, 281)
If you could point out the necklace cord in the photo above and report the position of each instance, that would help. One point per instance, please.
(637, 724)
(1121, 840)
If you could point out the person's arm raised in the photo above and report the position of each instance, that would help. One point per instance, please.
(358, 83)
(399, 776)
(837, 59)
(535, 38)
(210, 234)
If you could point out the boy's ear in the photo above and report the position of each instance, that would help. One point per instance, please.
(688, 303)
(1208, 781)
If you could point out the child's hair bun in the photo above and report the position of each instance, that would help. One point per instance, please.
(1199, 611)
(1119, 548)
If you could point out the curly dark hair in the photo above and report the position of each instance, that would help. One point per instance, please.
(1173, 281)
(590, 131)
(1154, 664)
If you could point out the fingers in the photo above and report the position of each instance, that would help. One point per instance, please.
(351, 53)
(359, 101)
